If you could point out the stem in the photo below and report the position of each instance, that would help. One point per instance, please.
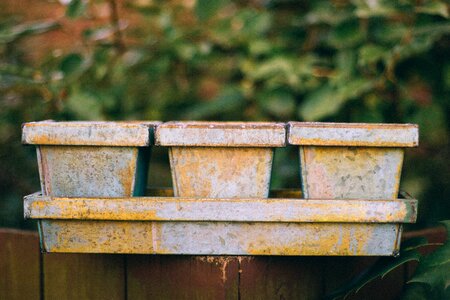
(118, 37)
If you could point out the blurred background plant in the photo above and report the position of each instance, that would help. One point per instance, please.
(253, 60)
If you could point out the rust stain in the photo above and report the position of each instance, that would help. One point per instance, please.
(127, 174)
(221, 134)
(210, 210)
(221, 172)
(135, 133)
(353, 134)
(351, 172)
(87, 171)
(219, 261)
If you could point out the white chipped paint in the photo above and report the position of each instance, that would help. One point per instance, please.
(221, 172)
(88, 171)
(353, 134)
(134, 133)
(221, 134)
(220, 238)
(229, 210)
(350, 172)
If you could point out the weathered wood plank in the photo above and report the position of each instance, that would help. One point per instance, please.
(19, 265)
(280, 277)
(182, 277)
(83, 276)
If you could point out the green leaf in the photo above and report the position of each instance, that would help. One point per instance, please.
(367, 9)
(381, 268)
(260, 47)
(320, 103)
(370, 54)
(76, 8)
(280, 103)
(434, 8)
(431, 120)
(433, 269)
(71, 63)
(328, 100)
(346, 35)
(205, 9)
(84, 105)
(229, 99)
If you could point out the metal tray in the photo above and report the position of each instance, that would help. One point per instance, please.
(162, 224)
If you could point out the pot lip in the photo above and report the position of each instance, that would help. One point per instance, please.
(353, 134)
(89, 133)
(221, 134)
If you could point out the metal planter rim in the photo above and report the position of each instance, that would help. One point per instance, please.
(221, 134)
(353, 134)
(87, 133)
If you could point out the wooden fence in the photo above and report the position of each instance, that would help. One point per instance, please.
(26, 273)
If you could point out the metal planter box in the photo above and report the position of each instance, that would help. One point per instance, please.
(207, 226)
(351, 161)
(221, 159)
(220, 204)
(91, 159)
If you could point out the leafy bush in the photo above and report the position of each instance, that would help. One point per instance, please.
(352, 61)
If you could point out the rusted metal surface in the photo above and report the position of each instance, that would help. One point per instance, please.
(221, 159)
(220, 238)
(221, 134)
(161, 225)
(219, 204)
(99, 159)
(275, 193)
(87, 171)
(350, 173)
(353, 134)
(133, 133)
(221, 172)
(224, 210)
(351, 161)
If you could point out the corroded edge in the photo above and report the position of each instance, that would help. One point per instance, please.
(221, 210)
(81, 133)
(353, 134)
(221, 134)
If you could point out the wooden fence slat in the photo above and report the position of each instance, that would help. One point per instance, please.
(84, 276)
(100, 276)
(19, 265)
(182, 277)
(280, 277)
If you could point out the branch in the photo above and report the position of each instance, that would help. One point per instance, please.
(118, 37)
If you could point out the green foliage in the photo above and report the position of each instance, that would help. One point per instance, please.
(352, 61)
(76, 8)
(432, 274)
(431, 279)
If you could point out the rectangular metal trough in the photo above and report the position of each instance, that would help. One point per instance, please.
(208, 226)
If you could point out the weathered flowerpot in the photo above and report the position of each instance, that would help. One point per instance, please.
(221, 159)
(91, 159)
(351, 161)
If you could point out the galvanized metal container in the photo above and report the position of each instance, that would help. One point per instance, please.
(221, 159)
(351, 161)
(91, 159)
(221, 175)
(207, 226)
